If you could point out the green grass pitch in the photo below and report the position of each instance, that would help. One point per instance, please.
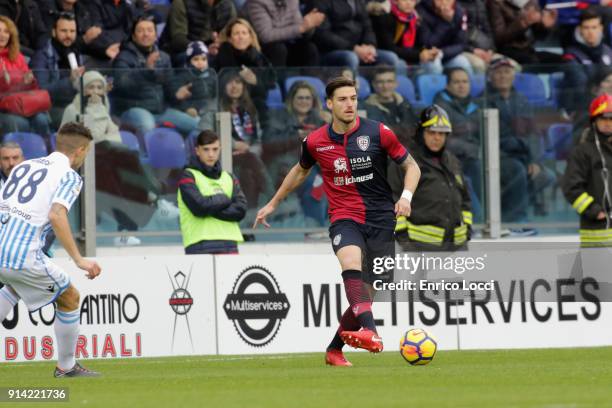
(550, 378)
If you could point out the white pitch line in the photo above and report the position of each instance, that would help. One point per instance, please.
(166, 360)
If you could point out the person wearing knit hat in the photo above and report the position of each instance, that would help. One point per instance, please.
(97, 108)
(194, 86)
(197, 49)
(126, 190)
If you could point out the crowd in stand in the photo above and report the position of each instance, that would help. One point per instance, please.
(173, 64)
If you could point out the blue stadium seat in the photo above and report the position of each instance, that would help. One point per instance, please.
(274, 99)
(166, 148)
(314, 81)
(477, 85)
(190, 143)
(559, 141)
(428, 86)
(405, 87)
(53, 140)
(555, 83)
(33, 145)
(130, 140)
(532, 87)
(364, 88)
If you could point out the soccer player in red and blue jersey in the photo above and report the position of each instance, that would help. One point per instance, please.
(352, 153)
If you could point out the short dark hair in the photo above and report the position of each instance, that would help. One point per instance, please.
(206, 137)
(448, 72)
(338, 82)
(589, 14)
(383, 69)
(63, 15)
(75, 129)
(145, 17)
(71, 136)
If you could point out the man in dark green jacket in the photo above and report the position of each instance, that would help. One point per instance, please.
(586, 183)
(441, 218)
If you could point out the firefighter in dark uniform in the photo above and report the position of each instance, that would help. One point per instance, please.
(441, 218)
(586, 182)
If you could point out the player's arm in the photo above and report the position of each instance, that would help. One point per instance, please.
(411, 180)
(293, 180)
(58, 217)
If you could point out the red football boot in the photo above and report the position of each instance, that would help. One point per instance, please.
(365, 339)
(335, 357)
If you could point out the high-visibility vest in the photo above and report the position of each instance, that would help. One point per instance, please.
(431, 234)
(195, 229)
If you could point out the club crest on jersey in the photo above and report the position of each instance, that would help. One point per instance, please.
(340, 165)
(363, 142)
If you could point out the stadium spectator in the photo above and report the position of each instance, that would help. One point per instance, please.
(586, 182)
(516, 24)
(17, 77)
(285, 35)
(521, 176)
(445, 29)
(126, 189)
(51, 10)
(52, 67)
(465, 141)
(401, 30)
(389, 107)
(195, 87)
(346, 37)
(112, 22)
(481, 47)
(195, 20)
(211, 202)
(246, 135)
(97, 108)
(441, 216)
(587, 55)
(143, 80)
(10, 156)
(568, 16)
(240, 50)
(27, 17)
(282, 140)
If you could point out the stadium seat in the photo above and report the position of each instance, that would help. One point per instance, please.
(477, 85)
(190, 143)
(314, 81)
(428, 86)
(532, 87)
(166, 148)
(405, 87)
(53, 140)
(33, 145)
(364, 88)
(555, 82)
(274, 99)
(558, 142)
(130, 140)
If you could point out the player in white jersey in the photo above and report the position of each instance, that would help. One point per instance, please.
(34, 200)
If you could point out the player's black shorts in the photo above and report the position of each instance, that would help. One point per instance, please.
(374, 243)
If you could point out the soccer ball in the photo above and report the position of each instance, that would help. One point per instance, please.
(418, 347)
